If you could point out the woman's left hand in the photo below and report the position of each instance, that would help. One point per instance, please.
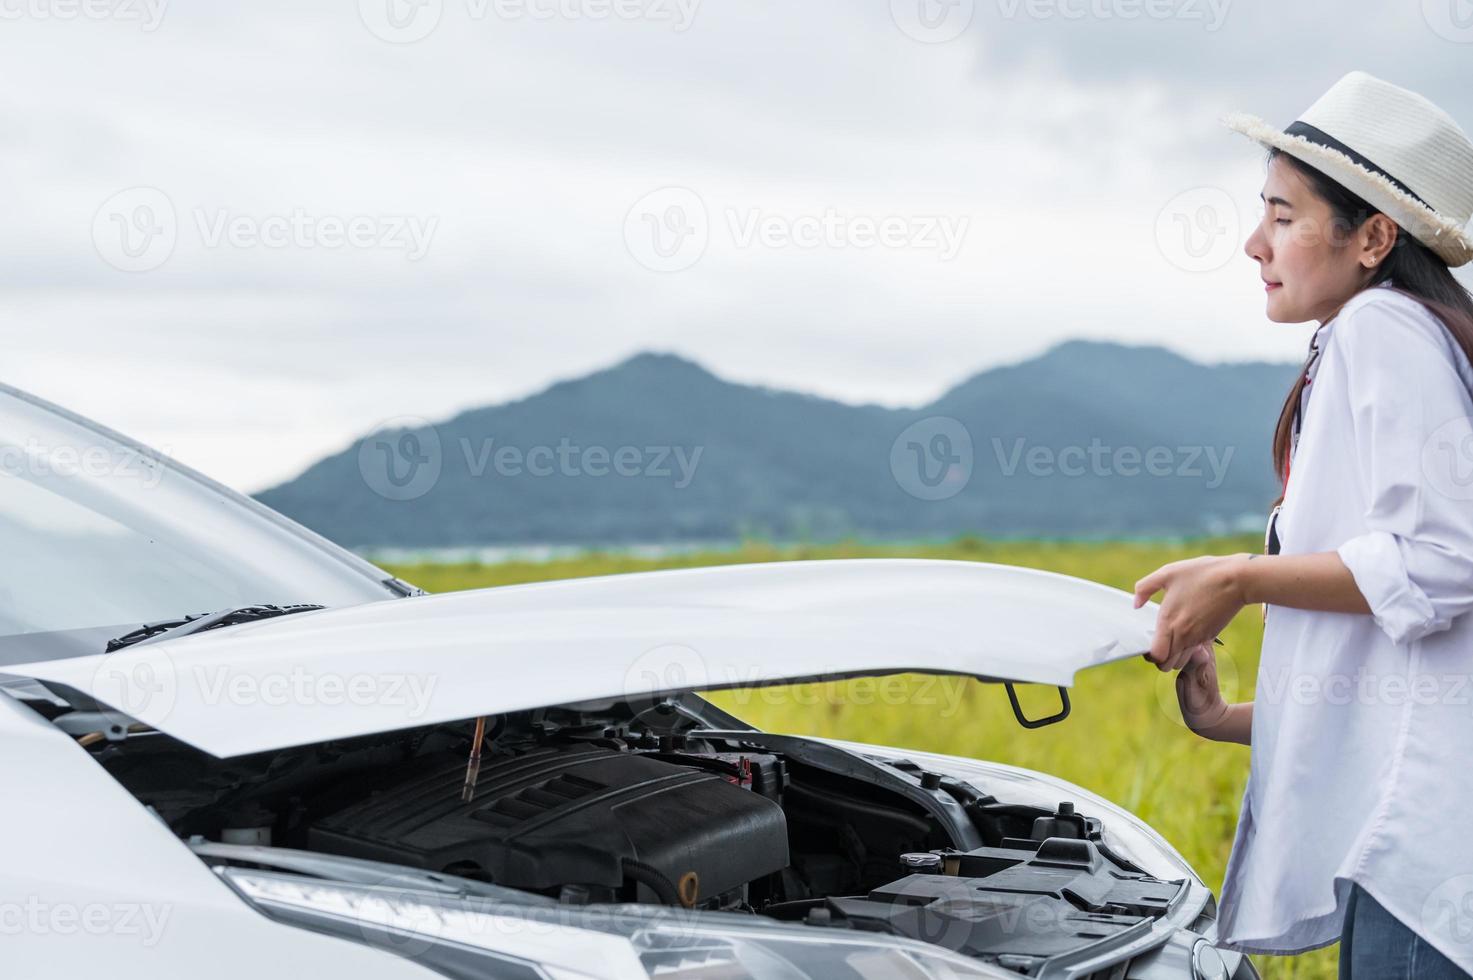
(1202, 597)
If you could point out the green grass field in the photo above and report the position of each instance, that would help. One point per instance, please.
(1124, 738)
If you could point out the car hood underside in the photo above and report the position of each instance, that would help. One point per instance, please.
(382, 666)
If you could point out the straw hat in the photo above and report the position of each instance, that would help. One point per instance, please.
(1402, 154)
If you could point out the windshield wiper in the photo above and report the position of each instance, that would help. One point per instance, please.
(200, 622)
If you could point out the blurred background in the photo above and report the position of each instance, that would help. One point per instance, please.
(494, 290)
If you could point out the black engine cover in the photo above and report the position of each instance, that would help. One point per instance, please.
(565, 814)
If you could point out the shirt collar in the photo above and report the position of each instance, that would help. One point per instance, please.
(1317, 342)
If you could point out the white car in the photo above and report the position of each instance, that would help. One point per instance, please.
(210, 775)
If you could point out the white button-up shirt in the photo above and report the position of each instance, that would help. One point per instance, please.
(1362, 754)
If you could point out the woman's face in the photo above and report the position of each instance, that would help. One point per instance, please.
(1310, 262)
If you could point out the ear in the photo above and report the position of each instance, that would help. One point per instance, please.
(1378, 236)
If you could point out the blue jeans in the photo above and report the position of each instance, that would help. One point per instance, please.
(1374, 945)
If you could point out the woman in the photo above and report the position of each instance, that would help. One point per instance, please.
(1355, 824)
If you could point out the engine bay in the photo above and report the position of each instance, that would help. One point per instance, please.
(644, 806)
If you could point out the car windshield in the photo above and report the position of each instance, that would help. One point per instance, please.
(99, 535)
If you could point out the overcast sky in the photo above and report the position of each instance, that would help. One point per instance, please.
(247, 233)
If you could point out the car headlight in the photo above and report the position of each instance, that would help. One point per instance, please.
(1124, 832)
(471, 935)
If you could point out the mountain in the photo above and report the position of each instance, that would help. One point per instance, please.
(1088, 439)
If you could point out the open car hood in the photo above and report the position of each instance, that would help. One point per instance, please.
(338, 673)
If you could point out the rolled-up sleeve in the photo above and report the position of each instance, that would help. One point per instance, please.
(1412, 435)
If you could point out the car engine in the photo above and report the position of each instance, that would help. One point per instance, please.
(639, 806)
(582, 816)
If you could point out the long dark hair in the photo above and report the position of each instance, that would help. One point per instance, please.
(1414, 269)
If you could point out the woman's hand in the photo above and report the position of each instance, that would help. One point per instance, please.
(1198, 692)
(1202, 597)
